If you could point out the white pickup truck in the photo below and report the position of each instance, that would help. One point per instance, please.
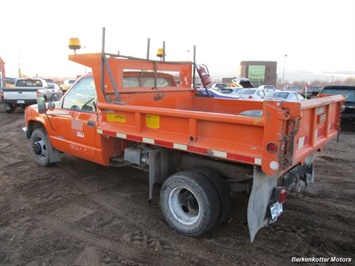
(23, 94)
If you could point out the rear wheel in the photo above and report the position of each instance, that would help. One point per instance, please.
(221, 187)
(11, 109)
(189, 203)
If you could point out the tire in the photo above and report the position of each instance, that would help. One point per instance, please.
(222, 188)
(41, 148)
(189, 204)
(11, 110)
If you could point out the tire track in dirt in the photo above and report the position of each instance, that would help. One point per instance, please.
(105, 244)
(154, 240)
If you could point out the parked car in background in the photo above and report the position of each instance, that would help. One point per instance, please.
(219, 86)
(22, 94)
(55, 90)
(49, 80)
(290, 96)
(348, 114)
(217, 93)
(8, 82)
(242, 83)
(66, 84)
(295, 88)
(267, 87)
(230, 90)
(252, 94)
(312, 91)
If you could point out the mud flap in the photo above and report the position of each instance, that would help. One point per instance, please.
(54, 155)
(259, 201)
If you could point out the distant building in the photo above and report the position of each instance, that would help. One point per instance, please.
(259, 72)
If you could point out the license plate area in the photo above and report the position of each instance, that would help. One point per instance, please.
(20, 101)
(276, 210)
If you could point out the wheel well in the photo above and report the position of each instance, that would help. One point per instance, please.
(33, 125)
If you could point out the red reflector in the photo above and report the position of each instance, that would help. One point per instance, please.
(271, 147)
(282, 195)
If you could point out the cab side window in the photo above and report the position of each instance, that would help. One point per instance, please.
(82, 96)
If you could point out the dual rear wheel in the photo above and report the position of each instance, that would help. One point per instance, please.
(194, 201)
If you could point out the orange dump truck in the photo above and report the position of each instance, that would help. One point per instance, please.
(145, 113)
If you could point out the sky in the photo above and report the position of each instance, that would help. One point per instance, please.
(318, 36)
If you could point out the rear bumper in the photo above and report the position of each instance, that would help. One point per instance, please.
(20, 102)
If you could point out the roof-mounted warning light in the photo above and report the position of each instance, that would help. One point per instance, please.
(160, 52)
(74, 44)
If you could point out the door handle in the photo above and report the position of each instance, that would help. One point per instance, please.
(91, 123)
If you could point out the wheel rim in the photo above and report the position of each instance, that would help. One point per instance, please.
(39, 148)
(184, 206)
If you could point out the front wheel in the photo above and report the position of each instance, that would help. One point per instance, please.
(41, 148)
(189, 203)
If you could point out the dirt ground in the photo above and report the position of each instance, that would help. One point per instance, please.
(80, 213)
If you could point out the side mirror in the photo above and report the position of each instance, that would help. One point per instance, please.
(51, 106)
(41, 102)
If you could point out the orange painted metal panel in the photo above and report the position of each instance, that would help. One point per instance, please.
(175, 117)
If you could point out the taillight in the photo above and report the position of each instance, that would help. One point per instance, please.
(2, 95)
(280, 194)
(250, 97)
(271, 147)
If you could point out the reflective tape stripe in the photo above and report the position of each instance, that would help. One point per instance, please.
(221, 154)
(241, 158)
(184, 147)
(180, 146)
(257, 161)
(148, 140)
(134, 138)
(122, 136)
(301, 142)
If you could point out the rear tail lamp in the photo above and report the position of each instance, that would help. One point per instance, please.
(2, 95)
(280, 194)
(271, 147)
(250, 97)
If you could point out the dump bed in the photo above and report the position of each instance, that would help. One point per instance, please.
(172, 115)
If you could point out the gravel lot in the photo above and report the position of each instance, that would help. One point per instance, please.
(80, 213)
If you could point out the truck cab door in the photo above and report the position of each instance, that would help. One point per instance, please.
(76, 126)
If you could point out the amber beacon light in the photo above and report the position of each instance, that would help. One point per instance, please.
(74, 44)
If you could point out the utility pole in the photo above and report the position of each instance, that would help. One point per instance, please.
(283, 75)
(19, 65)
